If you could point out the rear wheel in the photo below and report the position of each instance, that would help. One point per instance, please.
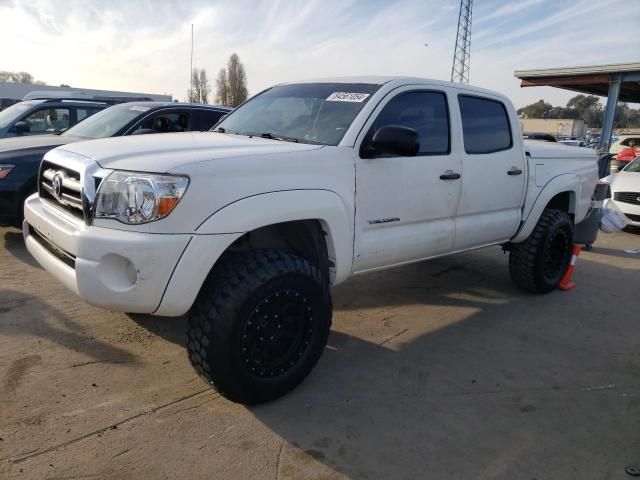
(538, 264)
(259, 325)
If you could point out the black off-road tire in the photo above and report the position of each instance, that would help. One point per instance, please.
(538, 264)
(226, 324)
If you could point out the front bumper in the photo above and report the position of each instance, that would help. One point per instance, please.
(115, 269)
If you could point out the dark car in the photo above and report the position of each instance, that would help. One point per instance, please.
(545, 137)
(20, 157)
(46, 116)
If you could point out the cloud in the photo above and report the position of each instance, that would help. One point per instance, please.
(145, 45)
(508, 10)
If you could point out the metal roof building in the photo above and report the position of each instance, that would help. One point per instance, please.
(18, 91)
(617, 82)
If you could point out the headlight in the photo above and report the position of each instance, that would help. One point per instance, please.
(136, 198)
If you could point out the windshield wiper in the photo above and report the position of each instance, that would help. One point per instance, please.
(220, 130)
(271, 136)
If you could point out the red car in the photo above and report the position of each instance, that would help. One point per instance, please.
(627, 154)
(623, 157)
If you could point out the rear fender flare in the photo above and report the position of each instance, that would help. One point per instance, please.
(559, 184)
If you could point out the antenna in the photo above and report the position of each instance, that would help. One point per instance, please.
(462, 53)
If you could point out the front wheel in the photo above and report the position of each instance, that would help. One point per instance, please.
(538, 264)
(259, 325)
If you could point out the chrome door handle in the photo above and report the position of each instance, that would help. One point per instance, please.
(449, 175)
(514, 171)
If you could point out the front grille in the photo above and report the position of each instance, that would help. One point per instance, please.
(61, 186)
(62, 255)
(635, 218)
(627, 197)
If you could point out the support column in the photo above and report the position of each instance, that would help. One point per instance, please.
(609, 113)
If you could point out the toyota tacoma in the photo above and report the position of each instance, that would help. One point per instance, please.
(245, 228)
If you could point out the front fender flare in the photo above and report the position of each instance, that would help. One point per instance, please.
(265, 209)
(218, 231)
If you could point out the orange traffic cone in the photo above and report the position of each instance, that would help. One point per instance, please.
(566, 284)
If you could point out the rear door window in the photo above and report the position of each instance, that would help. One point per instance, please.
(203, 120)
(485, 125)
(82, 113)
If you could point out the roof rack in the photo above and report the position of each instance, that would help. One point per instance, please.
(63, 99)
(107, 100)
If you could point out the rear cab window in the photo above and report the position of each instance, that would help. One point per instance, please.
(485, 125)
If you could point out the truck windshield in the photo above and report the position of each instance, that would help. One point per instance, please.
(8, 115)
(318, 113)
(106, 122)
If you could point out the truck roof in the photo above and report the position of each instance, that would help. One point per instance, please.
(395, 81)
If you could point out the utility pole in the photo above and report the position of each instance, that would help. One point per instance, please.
(191, 68)
(462, 52)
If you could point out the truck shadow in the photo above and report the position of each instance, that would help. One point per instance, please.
(446, 370)
(22, 314)
(484, 383)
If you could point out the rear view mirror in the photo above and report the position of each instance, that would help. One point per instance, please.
(396, 140)
(21, 127)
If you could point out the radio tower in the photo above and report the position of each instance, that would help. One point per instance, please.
(462, 53)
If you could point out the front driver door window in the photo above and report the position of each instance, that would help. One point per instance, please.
(167, 121)
(48, 120)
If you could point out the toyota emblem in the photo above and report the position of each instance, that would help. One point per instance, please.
(57, 185)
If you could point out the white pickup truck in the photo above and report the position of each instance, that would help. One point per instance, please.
(246, 227)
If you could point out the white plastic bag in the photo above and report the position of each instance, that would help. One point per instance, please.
(613, 220)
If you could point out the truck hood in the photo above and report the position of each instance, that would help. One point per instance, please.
(624, 181)
(167, 151)
(541, 149)
(33, 141)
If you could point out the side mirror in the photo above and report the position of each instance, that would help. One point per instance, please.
(395, 140)
(22, 127)
(144, 131)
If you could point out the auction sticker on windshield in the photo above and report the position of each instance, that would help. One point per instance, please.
(347, 97)
(139, 108)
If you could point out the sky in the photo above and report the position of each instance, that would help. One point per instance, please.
(144, 45)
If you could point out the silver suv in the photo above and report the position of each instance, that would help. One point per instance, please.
(46, 116)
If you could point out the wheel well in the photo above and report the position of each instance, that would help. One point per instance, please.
(564, 201)
(305, 238)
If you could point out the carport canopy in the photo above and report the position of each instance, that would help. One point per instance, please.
(617, 82)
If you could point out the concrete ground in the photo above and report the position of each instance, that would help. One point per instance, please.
(437, 370)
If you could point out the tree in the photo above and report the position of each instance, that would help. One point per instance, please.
(222, 95)
(232, 83)
(18, 77)
(539, 109)
(588, 107)
(199, 92)
(585, 107)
